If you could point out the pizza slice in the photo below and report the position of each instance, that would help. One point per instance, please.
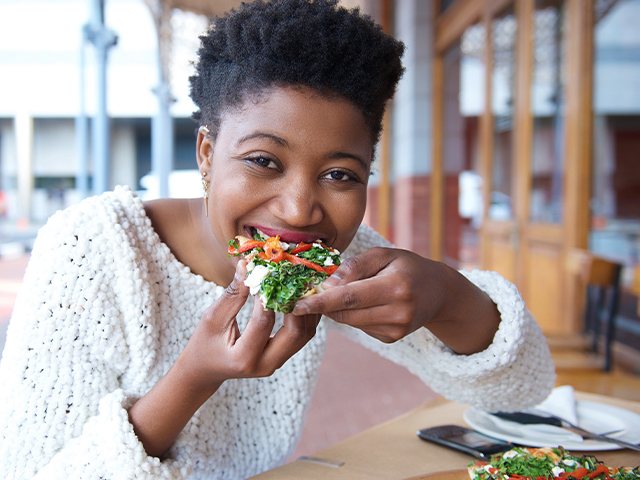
(546, 464)
(282, 273)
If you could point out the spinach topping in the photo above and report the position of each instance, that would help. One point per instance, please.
(286, 283)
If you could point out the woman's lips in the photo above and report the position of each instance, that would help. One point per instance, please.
(288, 236)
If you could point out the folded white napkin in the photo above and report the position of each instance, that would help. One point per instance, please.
(562, 403)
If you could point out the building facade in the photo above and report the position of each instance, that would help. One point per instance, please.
(513, 139)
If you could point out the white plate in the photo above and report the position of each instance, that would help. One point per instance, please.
(592, 416)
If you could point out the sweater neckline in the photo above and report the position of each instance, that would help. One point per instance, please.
(199, 279)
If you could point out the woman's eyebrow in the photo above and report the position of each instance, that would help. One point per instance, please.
(357, 158)
(279, 140)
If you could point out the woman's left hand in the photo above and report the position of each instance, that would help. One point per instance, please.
(389, 293)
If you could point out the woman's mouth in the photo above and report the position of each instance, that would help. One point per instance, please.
(286, 236)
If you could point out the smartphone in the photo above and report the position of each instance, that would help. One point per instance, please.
(464, 440)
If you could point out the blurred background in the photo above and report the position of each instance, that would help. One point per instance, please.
(512, 144)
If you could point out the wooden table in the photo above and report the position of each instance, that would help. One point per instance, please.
(393, 451)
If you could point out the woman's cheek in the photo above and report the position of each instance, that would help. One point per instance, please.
(349, 214)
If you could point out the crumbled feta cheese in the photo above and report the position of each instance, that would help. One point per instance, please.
(557, 471)
(254, 280)
(569, 462)
(317, 245)
(250, 266)
(328, 261)
(510, 454)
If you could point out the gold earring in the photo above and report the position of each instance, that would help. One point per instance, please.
(205, 187)
(205, 128)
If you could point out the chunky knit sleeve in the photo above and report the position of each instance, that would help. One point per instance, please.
(63, 413)
(514, 372)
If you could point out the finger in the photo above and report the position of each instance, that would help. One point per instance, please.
(358, 294)
(258, 331)
(232, 299)
(361, 266)
(386, 323)
(295, 334)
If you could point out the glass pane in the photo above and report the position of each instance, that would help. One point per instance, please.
(548, 110)
(615, 202)
(504, 30)
(464, 102)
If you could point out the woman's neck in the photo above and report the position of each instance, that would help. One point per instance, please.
(182, 226)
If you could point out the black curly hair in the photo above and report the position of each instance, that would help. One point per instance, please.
(279, 43)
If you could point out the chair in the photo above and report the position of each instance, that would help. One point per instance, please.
(601, 280)
(635, 287)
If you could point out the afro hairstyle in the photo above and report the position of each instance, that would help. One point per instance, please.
(295, 43)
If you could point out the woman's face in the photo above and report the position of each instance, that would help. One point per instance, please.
(290, 162)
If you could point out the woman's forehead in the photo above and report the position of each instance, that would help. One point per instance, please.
(297, 114)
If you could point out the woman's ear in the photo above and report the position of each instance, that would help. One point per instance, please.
(204, 149)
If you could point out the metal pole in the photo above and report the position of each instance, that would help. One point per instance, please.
(162, 134)
(103, 39)
(162, 140)
(82, 127)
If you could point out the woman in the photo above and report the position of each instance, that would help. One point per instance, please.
(135, 350)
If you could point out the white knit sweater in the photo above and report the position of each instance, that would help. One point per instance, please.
(106, 309)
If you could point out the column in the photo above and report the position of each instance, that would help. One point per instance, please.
(412, 129)
(24, 150)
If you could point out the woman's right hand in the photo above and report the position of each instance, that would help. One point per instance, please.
(216, 352)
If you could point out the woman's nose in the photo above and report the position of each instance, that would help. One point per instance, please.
(297, 205)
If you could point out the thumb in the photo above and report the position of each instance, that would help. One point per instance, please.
(235, 295)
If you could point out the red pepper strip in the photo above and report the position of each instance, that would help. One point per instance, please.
(577, 473)
(600, 469)
(245, 248)
(303, 261)
(277, 256)
(250, 245)
(330, 269)
(302, 247)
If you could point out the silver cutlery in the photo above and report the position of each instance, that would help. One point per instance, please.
(532, 417)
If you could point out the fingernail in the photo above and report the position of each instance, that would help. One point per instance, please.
(300, 309)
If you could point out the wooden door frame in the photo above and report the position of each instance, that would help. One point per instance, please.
(578, 146)
(573, 231)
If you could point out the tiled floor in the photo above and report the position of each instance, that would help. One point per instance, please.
(11, 273)
(356, 389)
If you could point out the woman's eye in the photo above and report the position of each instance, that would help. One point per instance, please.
(339, 175)
(264, 162)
